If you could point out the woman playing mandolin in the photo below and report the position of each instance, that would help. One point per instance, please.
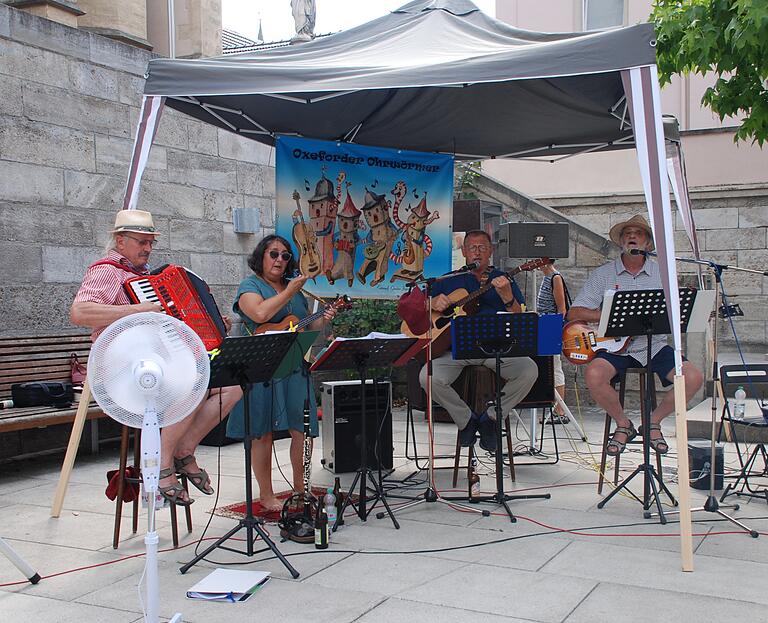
(268, 296)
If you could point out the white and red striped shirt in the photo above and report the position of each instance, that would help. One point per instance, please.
(103, 283)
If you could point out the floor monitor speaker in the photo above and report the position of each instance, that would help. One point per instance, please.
(342, 422)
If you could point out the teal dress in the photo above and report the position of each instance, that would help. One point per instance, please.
(278, 405)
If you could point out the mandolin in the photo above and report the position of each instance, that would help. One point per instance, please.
(292, 323)
(306, 242)
(463, 304)
(581, 343)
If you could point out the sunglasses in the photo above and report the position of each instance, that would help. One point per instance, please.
(274, 254)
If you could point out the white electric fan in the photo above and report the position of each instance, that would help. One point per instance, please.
(148, 371)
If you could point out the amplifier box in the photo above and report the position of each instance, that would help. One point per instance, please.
(527, 240)
(342, 418)
(542, 393)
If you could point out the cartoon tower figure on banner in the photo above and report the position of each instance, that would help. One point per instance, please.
(305, 241)
(345, 242)
(322, 214)
(417, 245)
(380, 238)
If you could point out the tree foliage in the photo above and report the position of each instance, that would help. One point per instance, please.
(728, 38)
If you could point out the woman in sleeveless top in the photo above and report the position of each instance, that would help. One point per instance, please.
(552, 299)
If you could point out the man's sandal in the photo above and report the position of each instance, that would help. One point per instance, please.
(614, 447)
(659, 444)
(172, 492)
(200, 479)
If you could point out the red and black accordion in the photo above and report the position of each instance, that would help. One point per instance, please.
(183, 295)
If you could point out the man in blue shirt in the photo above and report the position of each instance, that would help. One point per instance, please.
(520, 373)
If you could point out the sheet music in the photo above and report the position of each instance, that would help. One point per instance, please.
(376, 335)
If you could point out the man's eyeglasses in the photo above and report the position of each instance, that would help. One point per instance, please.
(478, 248)
(144, 242)
(274, 254)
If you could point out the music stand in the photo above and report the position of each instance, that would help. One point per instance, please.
(497, 336)
(244, 361)
(361, 354)
(634, 313)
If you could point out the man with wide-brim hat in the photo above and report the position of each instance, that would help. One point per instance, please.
(636, 221)
(102, 299)
(630, 272)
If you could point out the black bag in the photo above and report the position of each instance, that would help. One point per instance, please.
(42, 394)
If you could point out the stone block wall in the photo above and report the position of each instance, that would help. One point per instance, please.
(69, 104)
(732, 228)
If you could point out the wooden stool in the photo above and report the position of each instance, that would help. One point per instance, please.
(477, 384)
(621, 379)
(124, 441)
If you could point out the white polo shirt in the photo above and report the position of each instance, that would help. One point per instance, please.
(615, 276)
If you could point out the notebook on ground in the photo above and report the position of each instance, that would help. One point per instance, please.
(230, 585)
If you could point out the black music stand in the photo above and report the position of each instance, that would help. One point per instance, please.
(635, 313)
(362, 354)
(244, 361)
(497, 335)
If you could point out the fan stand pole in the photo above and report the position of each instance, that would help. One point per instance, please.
(249, 522)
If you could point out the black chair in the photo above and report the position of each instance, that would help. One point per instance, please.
(754, 379)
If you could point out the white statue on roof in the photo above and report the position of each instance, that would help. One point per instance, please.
(304, 19)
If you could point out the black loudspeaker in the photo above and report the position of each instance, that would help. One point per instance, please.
(542, 393)
(700, 459)
(217, 437)
(341, 425)
(526, 240)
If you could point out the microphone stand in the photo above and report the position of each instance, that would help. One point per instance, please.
(712, 505)
(431, 495)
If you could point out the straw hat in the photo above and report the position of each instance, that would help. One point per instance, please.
(137, 221)
(635, 221)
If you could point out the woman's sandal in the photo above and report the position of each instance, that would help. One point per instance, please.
(618, 446)
(200, 479)
(172, 492)
(659, 444)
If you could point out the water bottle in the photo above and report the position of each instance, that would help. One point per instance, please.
(330, 506)
(740, 404)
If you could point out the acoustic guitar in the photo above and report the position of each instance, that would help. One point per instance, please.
(463, 304)
(581, 343)
(306, 243)
(292, 323)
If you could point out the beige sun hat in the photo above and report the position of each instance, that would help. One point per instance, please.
(636, 221)
(137, 221)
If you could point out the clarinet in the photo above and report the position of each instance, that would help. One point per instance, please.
(307, 463)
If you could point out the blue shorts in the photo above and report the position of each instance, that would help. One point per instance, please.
(662, 363)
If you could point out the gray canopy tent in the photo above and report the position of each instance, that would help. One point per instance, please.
(439, 75)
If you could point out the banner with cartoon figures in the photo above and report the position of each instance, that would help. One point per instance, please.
(363, 221)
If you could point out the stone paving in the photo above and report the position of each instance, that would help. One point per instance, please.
(563, 561)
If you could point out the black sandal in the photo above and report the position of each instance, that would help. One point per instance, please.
(618, 446)
(659, 444)
(172, 492)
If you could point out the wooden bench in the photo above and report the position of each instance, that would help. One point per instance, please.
(40, 358)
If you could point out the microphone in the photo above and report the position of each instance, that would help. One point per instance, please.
(641, 252)
(468, 267)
